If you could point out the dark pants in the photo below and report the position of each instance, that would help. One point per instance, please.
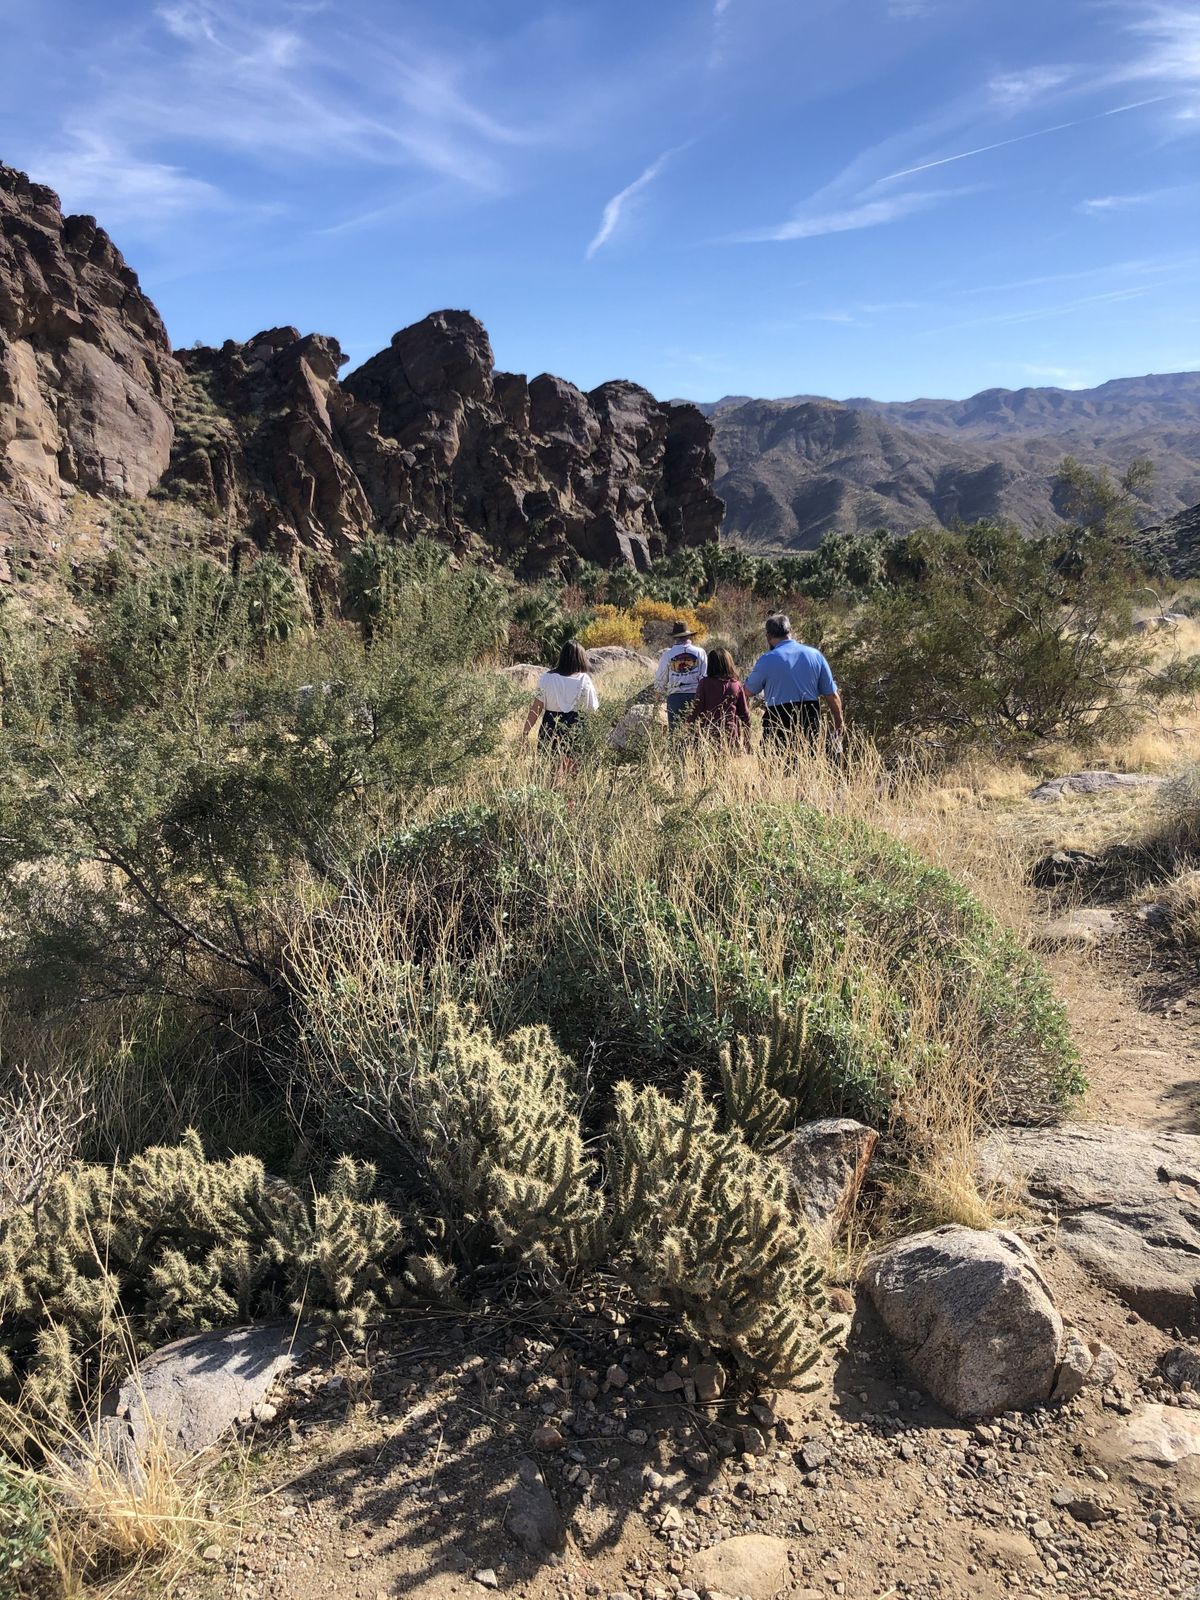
(678, 706)
(557, 730)
(797, 722)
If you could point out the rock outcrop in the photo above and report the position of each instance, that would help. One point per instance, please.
(1127, 1204)
(87, 378)
(263, 437)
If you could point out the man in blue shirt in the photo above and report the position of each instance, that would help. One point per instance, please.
(793, 679)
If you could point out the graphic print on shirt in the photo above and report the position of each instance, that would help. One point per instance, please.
(683, 665)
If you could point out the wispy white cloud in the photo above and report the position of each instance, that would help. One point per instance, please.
(812, 223)
(613, 212)
(1169, 53)
(278, 86)
(88, 166)
(1014, 91)
(909, 10)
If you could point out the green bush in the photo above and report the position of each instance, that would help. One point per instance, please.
(24, 1556)
(707, 919)
(1005, 641)
(150, 812)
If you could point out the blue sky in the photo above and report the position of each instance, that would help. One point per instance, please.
(885, 197)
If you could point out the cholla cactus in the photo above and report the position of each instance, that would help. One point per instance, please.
(498, 1127)
(112, 1261)
(706, 1224)
(764, 1083)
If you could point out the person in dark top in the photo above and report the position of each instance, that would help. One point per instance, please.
(720, 709)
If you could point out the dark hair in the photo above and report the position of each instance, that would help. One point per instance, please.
(778, 625)
(721, 664)
(571, 659)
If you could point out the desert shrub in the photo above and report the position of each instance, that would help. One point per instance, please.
(145, 835)
(665, 613)
(41, 1120)
(111, 1262)
(702, 921)
(24, 1555)
(1006, 641)
(1176, 825)
(608, 625)
(1180, 896)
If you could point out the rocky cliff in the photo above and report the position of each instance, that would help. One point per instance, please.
(267, 442)
(87, 379)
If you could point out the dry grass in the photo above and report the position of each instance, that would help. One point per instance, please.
(126, 1530)
(1181, 897)
(114, 1534)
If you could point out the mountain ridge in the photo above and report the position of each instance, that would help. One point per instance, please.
(794, 469)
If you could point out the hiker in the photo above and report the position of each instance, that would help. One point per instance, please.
(681, 667)
(559, 698)
(793, 679)
(720, 709)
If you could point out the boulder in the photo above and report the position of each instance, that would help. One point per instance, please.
(1157, 1447)
(751, 1564)
(973, 1319)
(617, 658)
(1090, 783)
(1160, 1435)
(827, 1161)
(1127, 1202)
(637, 726)
(522, 675)
(1063, 866)
(1079, 930)
(185, 1396)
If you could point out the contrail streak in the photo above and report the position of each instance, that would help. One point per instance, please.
(1039, 133)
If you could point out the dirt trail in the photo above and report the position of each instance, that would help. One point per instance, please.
(1135, 1016)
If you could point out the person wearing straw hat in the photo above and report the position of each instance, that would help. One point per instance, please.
(680, 668)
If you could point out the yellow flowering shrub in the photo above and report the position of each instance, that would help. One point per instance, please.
(609, 625)
(663, 611)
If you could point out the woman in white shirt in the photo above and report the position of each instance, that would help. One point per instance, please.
(560, 697)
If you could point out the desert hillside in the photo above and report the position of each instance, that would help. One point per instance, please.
(793, 470)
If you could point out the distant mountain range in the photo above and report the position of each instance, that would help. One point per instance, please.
(792, 470)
